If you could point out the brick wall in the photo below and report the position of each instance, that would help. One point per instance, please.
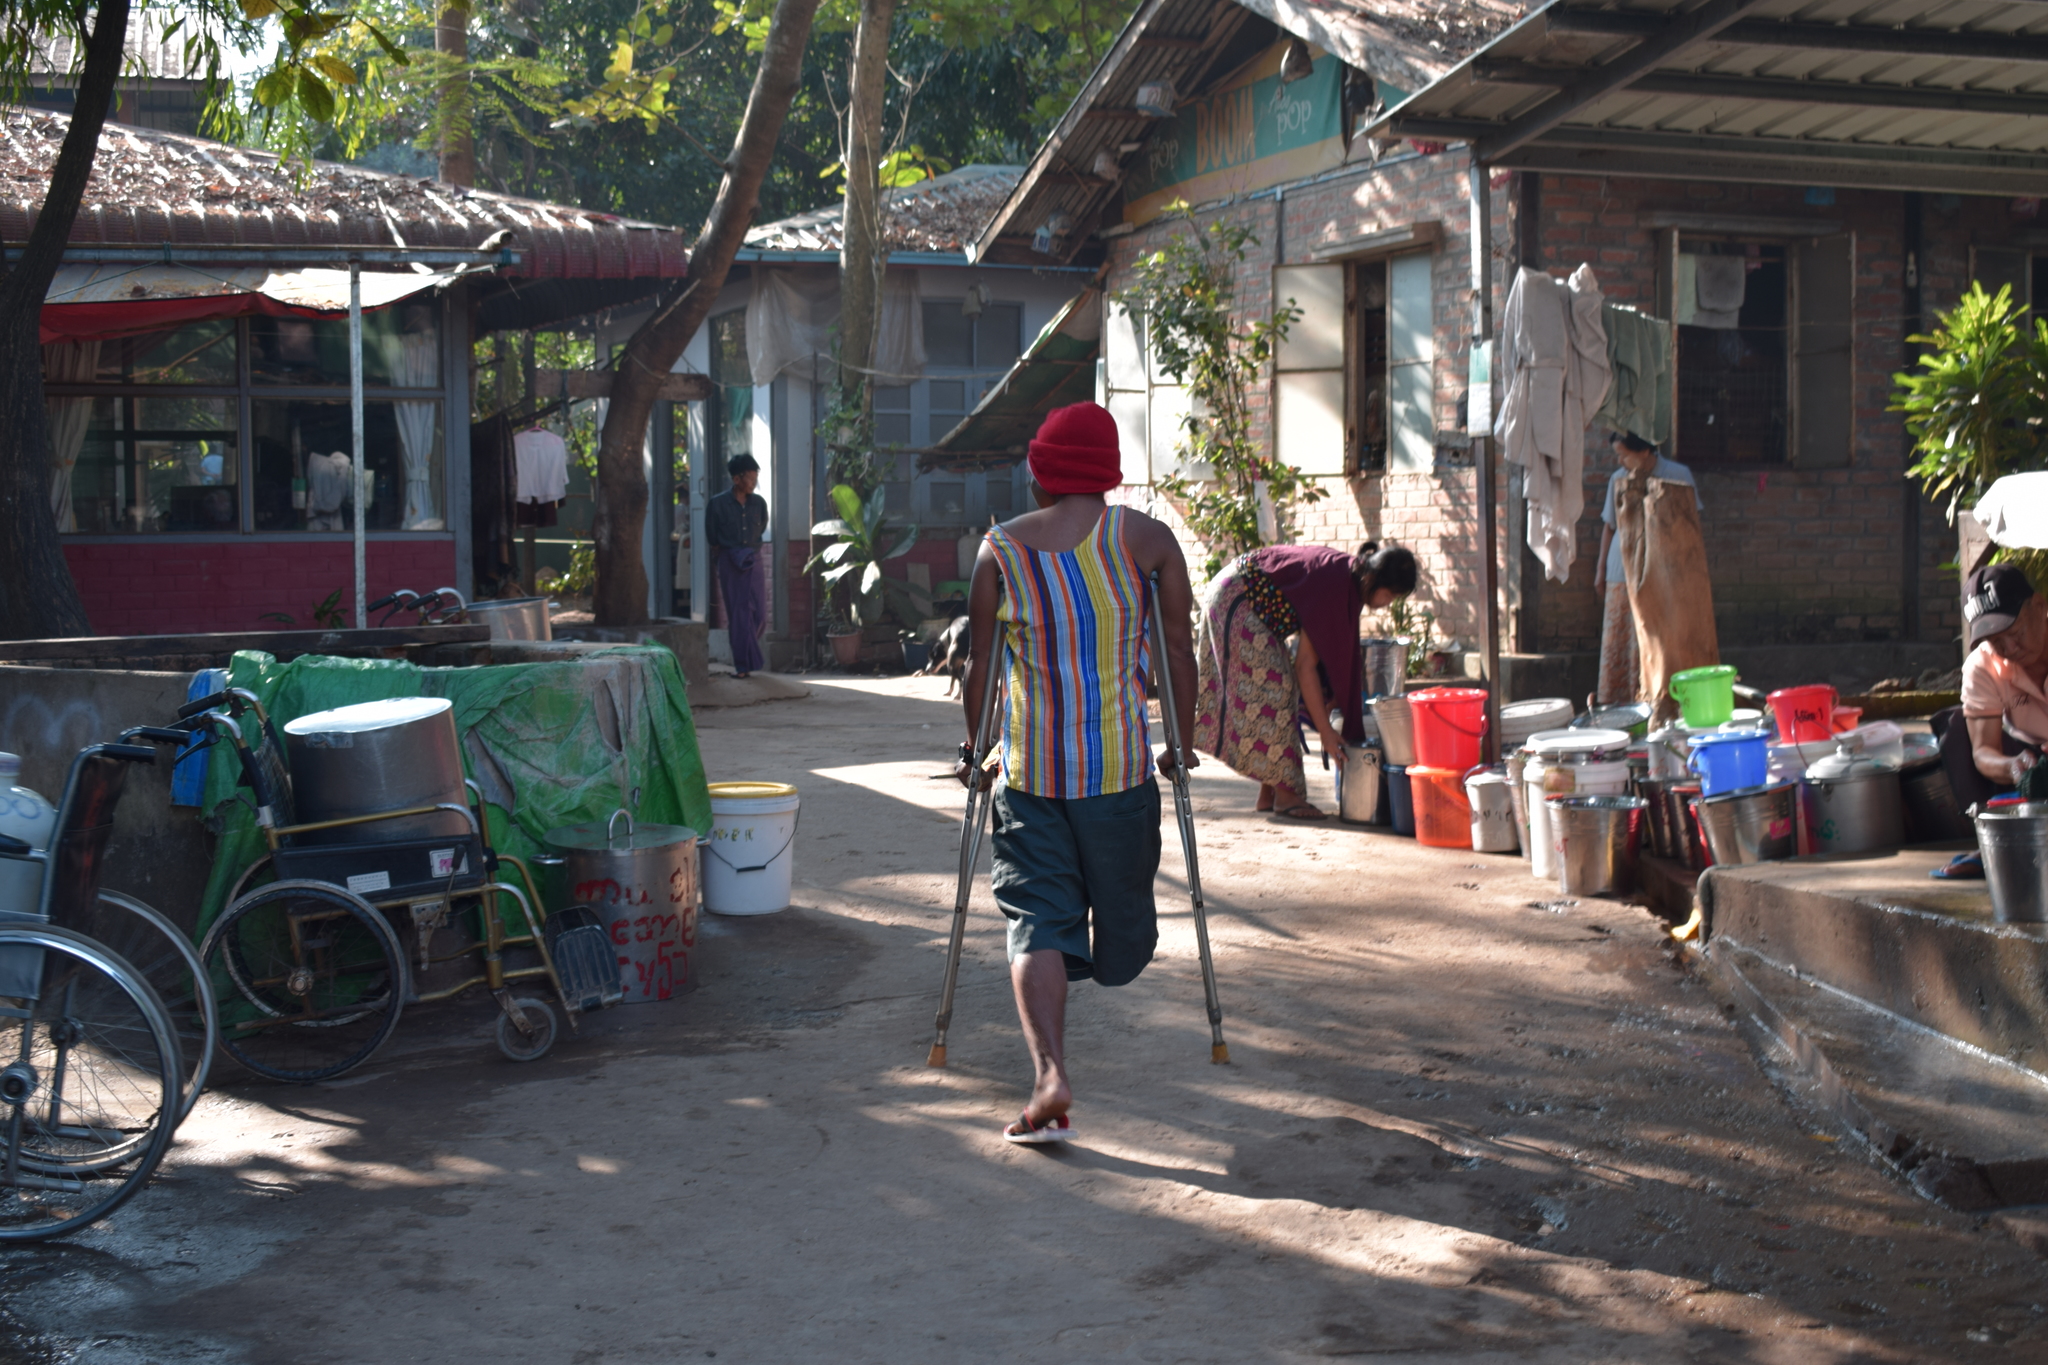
(1811, 556)
(1434, 513)
(161, 587)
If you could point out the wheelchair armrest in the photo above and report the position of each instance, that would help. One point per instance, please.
(158, 734)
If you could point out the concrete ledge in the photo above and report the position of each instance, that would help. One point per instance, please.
(1881, 930)
(1962, 1127)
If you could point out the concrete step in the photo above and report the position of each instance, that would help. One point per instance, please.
(1962, 1126)
(1880, 930)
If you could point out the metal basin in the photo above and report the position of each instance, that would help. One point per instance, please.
(514, 618)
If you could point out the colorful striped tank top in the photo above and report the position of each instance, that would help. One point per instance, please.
(1074, 623)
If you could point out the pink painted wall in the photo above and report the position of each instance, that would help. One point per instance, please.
(162, 587)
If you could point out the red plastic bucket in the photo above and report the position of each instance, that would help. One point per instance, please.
(1806, 715)
(1449, 723)
(1443, 813)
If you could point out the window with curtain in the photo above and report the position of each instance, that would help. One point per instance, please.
(171, 432)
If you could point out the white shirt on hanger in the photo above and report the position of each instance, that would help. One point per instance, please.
(542, 461)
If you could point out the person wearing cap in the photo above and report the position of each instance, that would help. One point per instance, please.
(1059, 603)
(1620, 663)
(734, 523)
(2005, 677)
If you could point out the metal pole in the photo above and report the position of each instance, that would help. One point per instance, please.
(980, 801)
(1478, 405)
(359, 510)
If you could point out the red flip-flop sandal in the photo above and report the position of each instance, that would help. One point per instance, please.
(1052, 1130)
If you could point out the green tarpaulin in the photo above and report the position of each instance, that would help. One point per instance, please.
(549, 744)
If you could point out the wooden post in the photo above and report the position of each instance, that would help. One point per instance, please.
(1479, 425)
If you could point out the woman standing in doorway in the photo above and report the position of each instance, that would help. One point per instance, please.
(1253, 689)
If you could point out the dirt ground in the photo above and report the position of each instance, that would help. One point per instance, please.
(1464, 1121)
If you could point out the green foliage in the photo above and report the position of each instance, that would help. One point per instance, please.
(582, 575)
(1419, 626)
(1184, 296)
(1974, 408)
(901, 168)
(852, 563)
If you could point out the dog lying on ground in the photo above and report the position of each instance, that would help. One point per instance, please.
(950, 654)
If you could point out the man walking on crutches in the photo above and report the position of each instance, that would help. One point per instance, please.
(1061, 595)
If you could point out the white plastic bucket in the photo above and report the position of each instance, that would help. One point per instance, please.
(751, 855)
(1493, 813)
(1586, 779)
(1542, 850)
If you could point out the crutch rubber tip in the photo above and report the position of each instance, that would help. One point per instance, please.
(1219, 1053)
(938, 1055)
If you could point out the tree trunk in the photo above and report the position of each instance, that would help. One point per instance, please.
(862, 257)
(37, 595)
(621, 596)
(458, 150)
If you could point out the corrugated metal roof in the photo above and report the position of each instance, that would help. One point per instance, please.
(1056, 369)
(1405, 43)
(1909, 94)
(151, 187)
(935, 215)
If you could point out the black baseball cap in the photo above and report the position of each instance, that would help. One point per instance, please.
(1997, 592)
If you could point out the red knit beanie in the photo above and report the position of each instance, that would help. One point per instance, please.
(1076, 451)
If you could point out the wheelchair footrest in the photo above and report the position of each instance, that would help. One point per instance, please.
(584, 959)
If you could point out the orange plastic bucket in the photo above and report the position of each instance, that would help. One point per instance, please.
(1806, 715)
(1449, 723)
(1443, 813)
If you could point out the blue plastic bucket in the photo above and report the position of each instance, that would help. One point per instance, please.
(1401, 801)
(1727, 760)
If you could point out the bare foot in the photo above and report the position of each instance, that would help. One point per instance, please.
(1265, 797)
(1049, 1100)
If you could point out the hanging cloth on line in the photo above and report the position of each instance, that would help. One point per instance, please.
(1554, 374)
(1638, 354)
(542, 463)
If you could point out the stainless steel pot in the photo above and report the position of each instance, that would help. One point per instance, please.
(1597, 838)
(1385, 665)
(514, 618)
(1359, 788)
(642, 881)
(1931, 802)
(377, 756)
(1751, 824)
(1858, 813)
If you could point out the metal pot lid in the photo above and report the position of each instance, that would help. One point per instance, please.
(1846, 764)
(592, 838)
(1631, 716)
(369, 715)
(1581, 746)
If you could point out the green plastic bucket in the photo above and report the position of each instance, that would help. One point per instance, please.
(1705, 696)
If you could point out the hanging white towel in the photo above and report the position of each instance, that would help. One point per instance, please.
(1719, 283)
(1555, 374)
(542, 462)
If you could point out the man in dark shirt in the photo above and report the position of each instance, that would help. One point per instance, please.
(734, 523)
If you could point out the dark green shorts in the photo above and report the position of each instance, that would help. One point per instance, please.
(1060, 863)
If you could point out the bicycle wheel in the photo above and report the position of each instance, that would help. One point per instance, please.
(89, 1081)
(310, 978)
(169, 962)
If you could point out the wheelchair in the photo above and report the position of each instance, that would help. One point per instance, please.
(96, 1071)
(310, 969)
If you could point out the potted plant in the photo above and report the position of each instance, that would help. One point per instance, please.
(852, 565)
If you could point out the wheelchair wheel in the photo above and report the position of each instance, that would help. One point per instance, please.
(89, 1081)
(311, 980)
(532, 1044)
(169, 962)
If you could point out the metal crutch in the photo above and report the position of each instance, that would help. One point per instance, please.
(1184, 808)
(980, 801)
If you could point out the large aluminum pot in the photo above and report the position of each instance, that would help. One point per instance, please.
(1751, 824)
(642, 882)
(377, 756)
(1359, 787)
(2014, 842)
(514, 618)
(1856, 814)
(1385, 665)
(1597, 840)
